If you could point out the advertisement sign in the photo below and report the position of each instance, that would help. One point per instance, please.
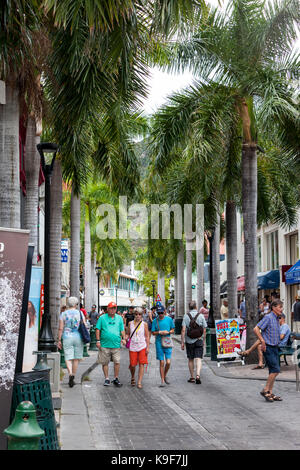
(32, 319)
(228, 338)
(64, 251)
(13, 256)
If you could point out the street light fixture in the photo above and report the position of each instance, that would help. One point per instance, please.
(98, 270)
(46, 340)
(153, 282)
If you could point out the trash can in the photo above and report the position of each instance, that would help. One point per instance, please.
(34, 386)
(178, 324)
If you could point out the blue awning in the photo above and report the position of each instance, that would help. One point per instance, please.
(292, 276)
(268, 280)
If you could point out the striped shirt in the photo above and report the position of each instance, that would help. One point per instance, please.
(270, 329)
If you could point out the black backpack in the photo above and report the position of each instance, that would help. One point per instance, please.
(194, 330)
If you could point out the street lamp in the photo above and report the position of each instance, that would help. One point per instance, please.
(46, 340)
(153, 282)
(98, 270)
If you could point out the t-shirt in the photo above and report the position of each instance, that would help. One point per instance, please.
(129, 317)
(296, 311)
(110, 330)
(167, 324)
(186, 322)
(71, 319)
(93, 317)
(224, 312)
(286, 331)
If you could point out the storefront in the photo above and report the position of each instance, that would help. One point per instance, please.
(267, 283)
(292, 281)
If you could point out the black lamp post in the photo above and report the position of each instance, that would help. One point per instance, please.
(211, 321)
(46, 340)
(98, 270)
(153, 282)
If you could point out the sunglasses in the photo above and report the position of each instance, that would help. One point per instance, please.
(137, 314)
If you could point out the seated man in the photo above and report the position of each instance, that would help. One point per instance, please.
(285, 332)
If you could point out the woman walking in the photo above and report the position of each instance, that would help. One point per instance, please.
(137, 332)
(69, 322)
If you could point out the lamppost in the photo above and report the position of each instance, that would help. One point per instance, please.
(153, 282)
(211, 320)
(98, 270)
(46, 340)
(116, 287)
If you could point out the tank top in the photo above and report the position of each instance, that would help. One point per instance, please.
(138, 341)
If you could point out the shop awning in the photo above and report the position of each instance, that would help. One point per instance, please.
(292, 276)
(268, 280)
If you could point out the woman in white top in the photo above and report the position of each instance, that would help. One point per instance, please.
(137, 332)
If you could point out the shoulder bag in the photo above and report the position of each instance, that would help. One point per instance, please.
(84, 332)
(166, 341)
(129, 339)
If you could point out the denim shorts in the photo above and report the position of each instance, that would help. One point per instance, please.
(272, 359)
(162, 353)
(73, 347)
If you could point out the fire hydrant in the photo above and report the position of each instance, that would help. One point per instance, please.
(24, 432)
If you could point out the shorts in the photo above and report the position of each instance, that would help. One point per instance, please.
(272, 359)
(162, 353)
(138, 357)
(194, 350)
(73, 347)
(105, 355)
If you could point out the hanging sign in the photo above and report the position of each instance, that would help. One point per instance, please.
(13, 257)
(228, 338)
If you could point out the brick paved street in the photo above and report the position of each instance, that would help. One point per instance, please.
(221, 413)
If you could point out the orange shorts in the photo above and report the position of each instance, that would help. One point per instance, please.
(138, 357)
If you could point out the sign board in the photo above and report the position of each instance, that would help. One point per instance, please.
(64, 251)
(158, 298)
(13, 257)
(32, 320)
(228, 338)
(101, 292)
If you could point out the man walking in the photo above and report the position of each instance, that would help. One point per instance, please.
(93, 316)
(109, 331)
(296, 315)
(268, 332)
(163, 327)
(194, 346)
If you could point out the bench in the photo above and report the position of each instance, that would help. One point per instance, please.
(288, 350)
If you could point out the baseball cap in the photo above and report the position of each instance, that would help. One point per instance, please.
(160, 309)
(112, 305)
(94, 306)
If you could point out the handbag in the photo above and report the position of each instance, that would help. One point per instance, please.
(84, 332)
(166, 341)
(129, 339)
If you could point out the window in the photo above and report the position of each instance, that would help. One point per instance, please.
(294, 248)
(272, 251)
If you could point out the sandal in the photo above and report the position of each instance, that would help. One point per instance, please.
(192, 380)
(258, 367)
(132, 382)
(276, 397)
(267, 395)
(139, 386)
(243, 353)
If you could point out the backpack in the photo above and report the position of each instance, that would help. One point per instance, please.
(194, 330)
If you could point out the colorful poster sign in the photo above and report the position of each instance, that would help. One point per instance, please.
(13, 256)
(228, 338)
(32, 321)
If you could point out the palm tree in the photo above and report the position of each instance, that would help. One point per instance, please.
(235, 51)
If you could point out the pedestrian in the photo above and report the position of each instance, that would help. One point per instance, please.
(110, 334)
(204, 310)
(93, 316)
(285, 332)
(194, 345)
(268, 332)
(152, 316)
(242, 309)
(296, 315)
(264, 307)
(83, 310)
(129, 316)
(137, 333)
(69, 322)
(224, 310)
(162, 328)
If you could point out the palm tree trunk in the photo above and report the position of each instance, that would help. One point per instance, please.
(231, 258)
(249, 194)
(161, 286)
(75, 246)
(200, 273)
(32, 169)
(216, 270)
(9, 160)
(55, 246)
(189, 269)
(88, 286)
(180, 282)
